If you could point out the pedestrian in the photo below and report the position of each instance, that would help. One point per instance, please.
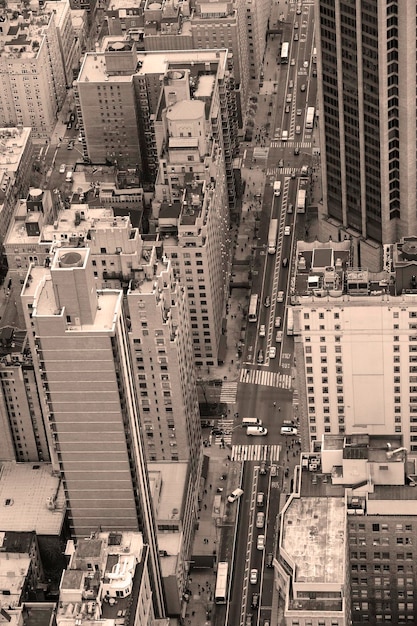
(211, 485)
(274, 404)
(205, 507)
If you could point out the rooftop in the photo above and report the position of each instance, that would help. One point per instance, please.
(13, 142)
(31, 498)
(23, 34)
(313, 536)
(14, 568)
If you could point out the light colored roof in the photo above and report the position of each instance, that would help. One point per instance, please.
(24, 492)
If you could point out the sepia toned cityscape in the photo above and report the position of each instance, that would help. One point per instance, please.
(208, 312)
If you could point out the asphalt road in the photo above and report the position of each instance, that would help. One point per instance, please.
(272, 404)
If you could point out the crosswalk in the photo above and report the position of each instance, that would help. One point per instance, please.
(228, 392)
(266, 378)
(280, 171)
(259, 452)
(290, 144)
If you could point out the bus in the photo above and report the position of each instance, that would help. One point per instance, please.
(272, 236)
(290, 321)
(222, 583)
(310, 118)
(301, 201)
(253, 308)
(285, 50)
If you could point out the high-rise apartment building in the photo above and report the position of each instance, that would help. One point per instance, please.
(257, 16)
(68, 41)
(32, 77)
(357, 339)
(367, 104)
(79, 338)
(16, 155)
(121, 99)
(347, 536)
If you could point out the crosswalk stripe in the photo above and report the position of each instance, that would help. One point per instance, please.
(228, 392)
(265, 378)
(290, 144)
(258, 452)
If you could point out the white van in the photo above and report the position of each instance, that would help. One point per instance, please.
(254, 431)
(277, 188)
(251, 421)
(235, 495)
(69, 176)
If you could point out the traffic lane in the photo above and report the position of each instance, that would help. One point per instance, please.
(263, 408)
(240, 593)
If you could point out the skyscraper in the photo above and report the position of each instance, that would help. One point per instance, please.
(367, 107)
(79, 337)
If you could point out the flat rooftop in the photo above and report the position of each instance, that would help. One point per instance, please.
(13, 142)
(24, 492)
(313, 535)
(174, 475)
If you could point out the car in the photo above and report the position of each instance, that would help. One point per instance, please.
(69, 125)
(295, 36)
(298, 130)
(263, 471)
(248, 620)
(298, 11)
(262, 330)
(291, 84)
(292, 62)
(277, 322)
(281, 163)
(295, 25)
(290, 208)
(272, 352)
(269, 560)
(70, 145)
(305, 64)
(255, 601)
(217, 432)
(296, 151)
(287, 108)
(253, 579)
(289, 97)
(260, 357)
(260, 519)
(280, 296)
(62, 168)
(314, 73)
(288, 430)
(267, 302)
(267, 622)
(260, 499)
(260, 542)
(303, 87)
(235, 495)
(278, 337)
(72, 117)
(287, 230)
(293, 175)
(80, 138)
(299, 112)
(256, 431)
(274, 470)
(285, 262)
